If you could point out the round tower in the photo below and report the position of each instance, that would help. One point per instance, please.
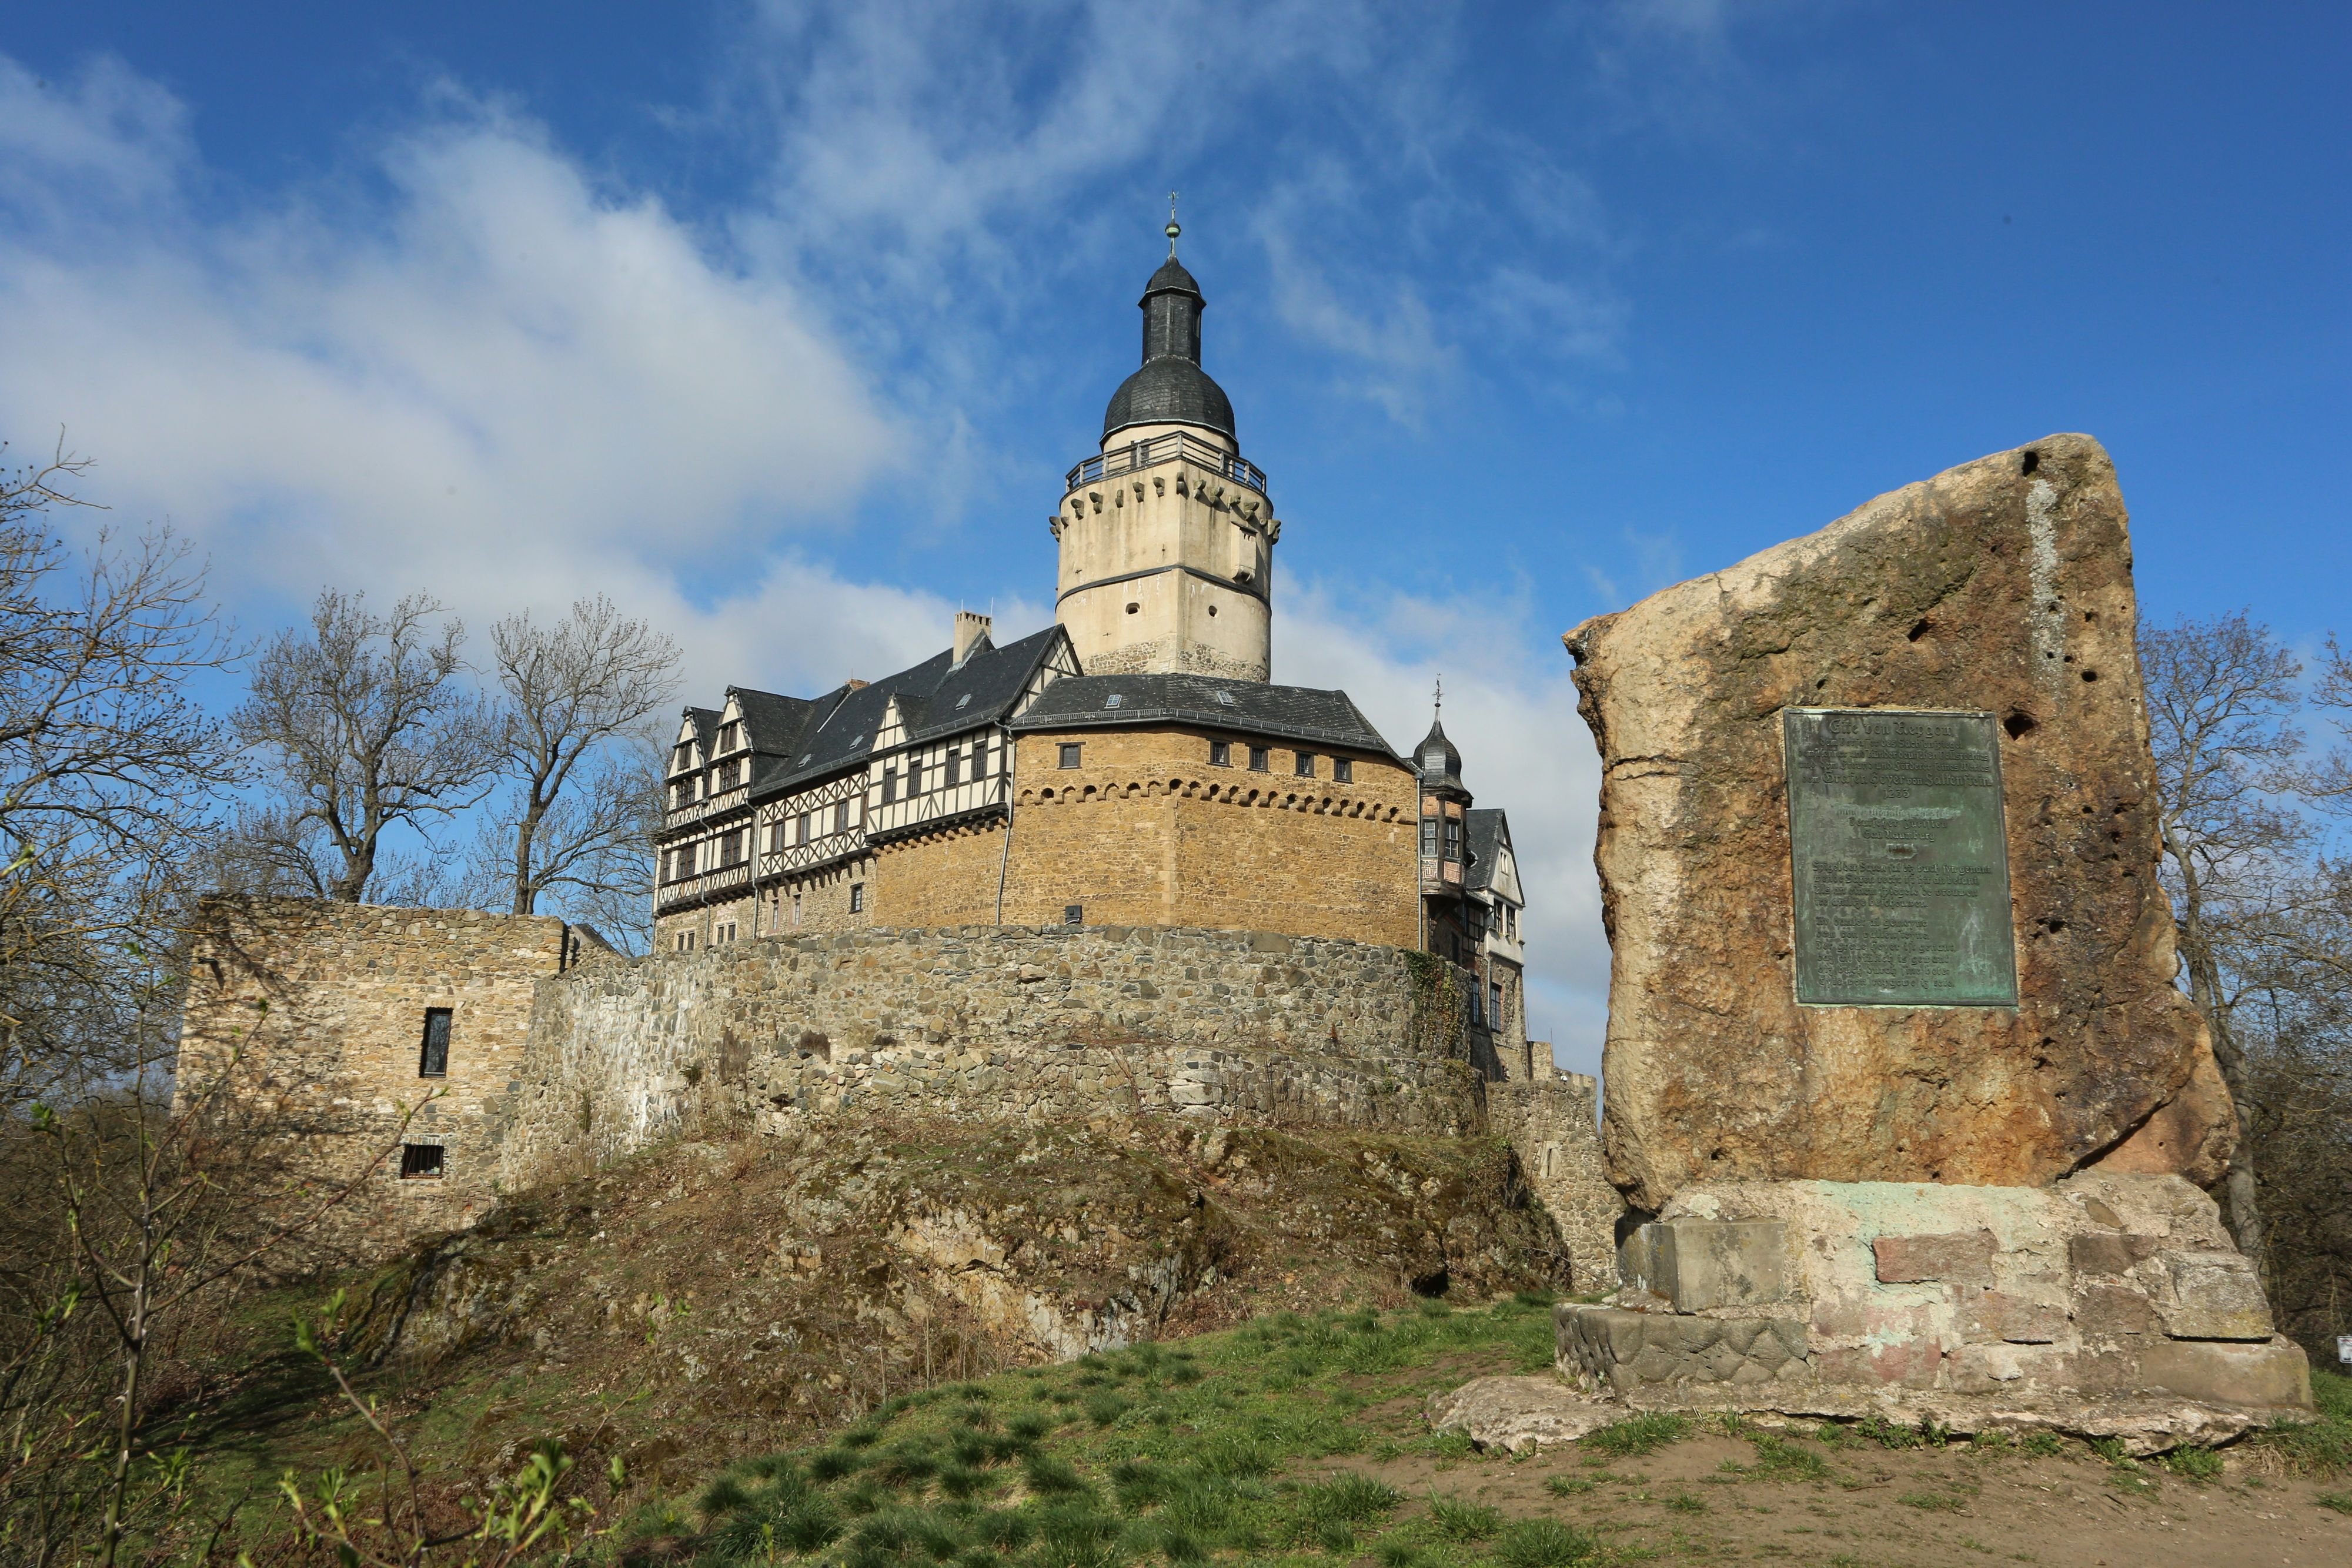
(1167, 536)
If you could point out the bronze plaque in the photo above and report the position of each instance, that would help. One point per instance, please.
(1900, 857)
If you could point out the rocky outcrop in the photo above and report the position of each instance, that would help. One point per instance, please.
(2001, 588)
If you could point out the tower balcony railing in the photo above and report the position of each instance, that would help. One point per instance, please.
(1175, 446)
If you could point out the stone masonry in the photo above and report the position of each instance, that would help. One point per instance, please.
(309, 1018)
(2108, 1304)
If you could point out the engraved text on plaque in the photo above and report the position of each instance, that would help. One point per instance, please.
(1901, 861)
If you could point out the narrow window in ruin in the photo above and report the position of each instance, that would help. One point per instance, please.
(1261, 760)
(420, 1161)
(433, 1060)
(1343, 770)
(856, 898)
(1495, 1002)
(1221, 754)
(1305, 767)
(796, 911)
(1070, 750)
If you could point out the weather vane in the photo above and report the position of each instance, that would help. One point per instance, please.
(1174, 228)
(1438, 702)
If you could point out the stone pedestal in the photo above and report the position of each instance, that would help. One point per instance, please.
(2105, 1305)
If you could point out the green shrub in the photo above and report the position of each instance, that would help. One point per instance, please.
(2340, 1502)
(1641, 1435)
(831, 1464)
(1544, 1543)
(1458, 1519)
(2043, 1445)
(1030, 1425)
(1777, 1459)
(1050, 1477)
(2194, 1464)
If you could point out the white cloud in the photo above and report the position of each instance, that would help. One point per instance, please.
(504, 386)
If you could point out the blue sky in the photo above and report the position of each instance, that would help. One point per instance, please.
(781, 322)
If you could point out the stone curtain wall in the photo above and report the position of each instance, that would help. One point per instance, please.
(314, 1013)
(1552, 1123)
(985, 1022)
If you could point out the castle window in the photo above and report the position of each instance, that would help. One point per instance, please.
(889, 784)
(1454, 838)
(1221, 754)
(1074, 915)
(841, 817)
(1070, 749)
(420, 1162)
(955, 768)
(856, 898)
(1428, 836)
(1261, 760)
(1495, 1002)
(1305, 767)
(433, 1059)
(1343, 770)
(796, 911)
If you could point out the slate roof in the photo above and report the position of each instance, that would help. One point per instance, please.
(1171, 388)
(1485, 830)
(1286, 713)
(1445, 773)
(935, 697)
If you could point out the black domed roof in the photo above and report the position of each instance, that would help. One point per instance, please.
(1171, 388)
(1170, 391)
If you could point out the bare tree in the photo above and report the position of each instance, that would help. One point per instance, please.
(2220, 694)
(369, 725)
(574, 690)
(110, 775)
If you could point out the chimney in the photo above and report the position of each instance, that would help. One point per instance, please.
(970, 631)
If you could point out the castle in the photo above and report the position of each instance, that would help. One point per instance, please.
(1134, 764)
(1111, 868)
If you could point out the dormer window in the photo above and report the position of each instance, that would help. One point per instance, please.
(1114, 700)
(964, 701)
(1226, 699)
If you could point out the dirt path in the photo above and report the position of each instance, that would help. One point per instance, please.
(1708, 1499)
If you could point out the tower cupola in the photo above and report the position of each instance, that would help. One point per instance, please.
(1170, 388)
(1167, 536)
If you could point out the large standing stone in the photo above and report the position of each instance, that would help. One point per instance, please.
(2002, 587)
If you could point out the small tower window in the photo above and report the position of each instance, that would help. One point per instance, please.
(433, 1059)
(1343, 770)
(1428, 836)
(856, 898)
(1454, 838)
(1070, 753)
(1221, 754)
(1261, 760)
(1305, 767)
(420, 1162)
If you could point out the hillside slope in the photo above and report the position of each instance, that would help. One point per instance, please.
(704, 1297)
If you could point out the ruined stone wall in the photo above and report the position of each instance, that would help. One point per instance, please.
(1551, 1122)
(309, 1018)
(987, 1021)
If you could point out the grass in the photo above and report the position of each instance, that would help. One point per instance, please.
(1642, 1435)
(1142, 1453)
